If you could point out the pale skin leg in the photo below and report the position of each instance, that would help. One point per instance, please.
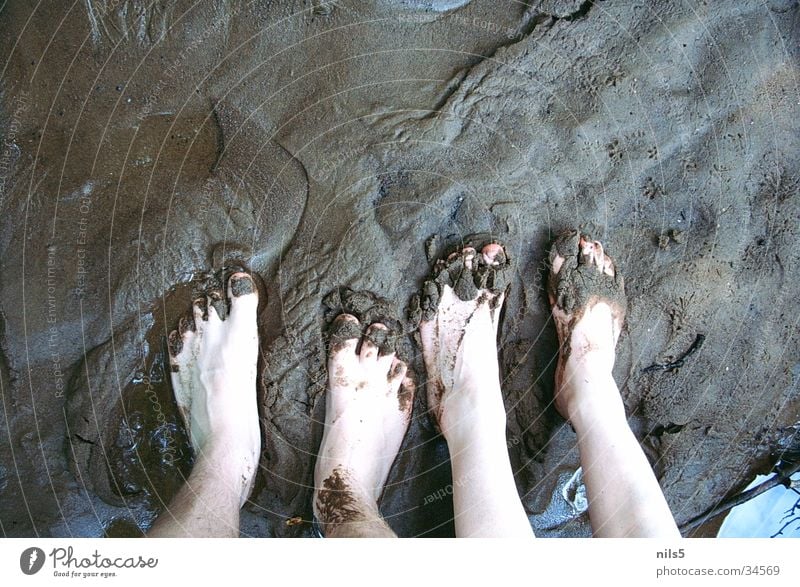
(213, 365)
(460, 351)
(368, 410)
(624, 496)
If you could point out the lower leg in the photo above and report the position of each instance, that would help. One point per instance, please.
(485, 498)
(624, 496)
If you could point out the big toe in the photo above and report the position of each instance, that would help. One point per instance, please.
(494, 255)
(180, 338)
(243, 296)
(345, 331)
(566, 246)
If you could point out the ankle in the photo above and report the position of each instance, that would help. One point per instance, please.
(342, 502)
(233, 477)
(473, 411)
(229, 459)
(597, 405)
(488, 434)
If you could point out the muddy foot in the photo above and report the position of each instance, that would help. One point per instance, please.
(213, 357)
(460, 310)
(587, 297)
(367, 413)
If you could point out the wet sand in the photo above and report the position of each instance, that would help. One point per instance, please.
(339, 145)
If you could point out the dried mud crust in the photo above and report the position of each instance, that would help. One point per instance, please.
(581, 281)
(466, 283)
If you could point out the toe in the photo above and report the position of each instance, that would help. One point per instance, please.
(179, 338)
(493, 255)
(599, 255)
(397, 373)
(403, 386)
(175, 345)
(215, 305)
(240, 285)
(199, 313)
(565, 246)
(586, 255)
(213, 317)
(468, 256)
(555, 263)
(372, 341)
(243, 296)
(344, 334)
(186, 324)
(608, 267)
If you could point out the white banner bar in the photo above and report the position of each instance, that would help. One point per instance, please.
(137, 562)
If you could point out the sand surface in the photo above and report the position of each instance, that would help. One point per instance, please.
(324, 145)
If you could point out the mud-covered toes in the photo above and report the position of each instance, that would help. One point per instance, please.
(582, 273)
(472, 272)
(373, 346)
(576, 249)
(374, 343)
(199, 313)
(178, 337)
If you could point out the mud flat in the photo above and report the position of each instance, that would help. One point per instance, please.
(323, 145)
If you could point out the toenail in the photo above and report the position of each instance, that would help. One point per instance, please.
(346, 318)
(493, 254)
(345, 327)
(241, 285)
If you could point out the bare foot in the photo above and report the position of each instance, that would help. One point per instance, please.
(458, 331)
(461, 313)
(367, 413)
(213, 360)
(587, 297)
